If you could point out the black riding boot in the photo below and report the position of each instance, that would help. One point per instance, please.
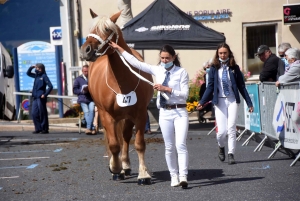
(221, 153)
(231, 159)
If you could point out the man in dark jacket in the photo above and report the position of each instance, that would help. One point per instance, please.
(85, 100)
(273, 66)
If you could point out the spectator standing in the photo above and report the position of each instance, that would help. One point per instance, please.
(173, 116)
(225, 83)
(282, 48)
(293, 74)
(273, 66)
(39, 98)
(206, 68)
(80, 88)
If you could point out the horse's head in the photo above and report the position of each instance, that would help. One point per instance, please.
(102, 31)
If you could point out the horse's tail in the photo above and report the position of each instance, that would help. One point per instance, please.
(119, 132)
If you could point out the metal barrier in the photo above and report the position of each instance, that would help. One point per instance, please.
(50, 96)
(267, 100)
(251, 121)
(241, 114)
(270, 104)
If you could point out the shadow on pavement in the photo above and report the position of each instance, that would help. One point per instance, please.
(215, 176)
(202, 126)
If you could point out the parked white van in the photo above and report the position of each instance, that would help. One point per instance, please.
(7, 86)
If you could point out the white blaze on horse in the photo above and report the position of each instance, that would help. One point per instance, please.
(120, 96)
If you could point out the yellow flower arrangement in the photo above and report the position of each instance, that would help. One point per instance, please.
(194, 88)
(191, 106)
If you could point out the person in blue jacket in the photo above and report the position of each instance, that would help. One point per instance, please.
(225, 82)
(39, 98)
(80, 88)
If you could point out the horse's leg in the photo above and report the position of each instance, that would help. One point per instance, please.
(107, 151)
(140, 146)
(115, 165)
(127, 134)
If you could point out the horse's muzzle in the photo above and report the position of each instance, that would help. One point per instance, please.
(86, 53)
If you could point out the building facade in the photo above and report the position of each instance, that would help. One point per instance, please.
(246, 24)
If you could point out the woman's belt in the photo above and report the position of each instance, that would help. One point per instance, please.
(169, 107)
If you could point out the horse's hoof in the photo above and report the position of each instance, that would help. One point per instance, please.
(118, 177)
(143, 182)
(127, 172)
(114, 172)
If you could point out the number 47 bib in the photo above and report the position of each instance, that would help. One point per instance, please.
(125, 100)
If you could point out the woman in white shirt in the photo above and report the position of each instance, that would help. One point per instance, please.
(173, 117)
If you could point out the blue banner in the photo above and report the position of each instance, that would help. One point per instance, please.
(36, 52)
(252, 120)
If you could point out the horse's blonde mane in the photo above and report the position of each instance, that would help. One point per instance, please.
(101, 23)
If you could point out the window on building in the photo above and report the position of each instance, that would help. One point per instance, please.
(260, 35)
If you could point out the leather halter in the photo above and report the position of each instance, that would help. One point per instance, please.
(103, 42)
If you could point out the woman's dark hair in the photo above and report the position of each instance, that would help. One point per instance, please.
(216, 62)
(171, 51)
(41, 66)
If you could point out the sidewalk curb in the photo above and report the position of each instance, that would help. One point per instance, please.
(31, 128)
(61, 124)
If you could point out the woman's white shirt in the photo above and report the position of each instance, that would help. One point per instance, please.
(179, 79)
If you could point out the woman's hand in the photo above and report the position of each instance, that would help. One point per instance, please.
(162, 88)
(116, 47)
(251, 109)
(43, 96)
(199, 107)
(277, 83)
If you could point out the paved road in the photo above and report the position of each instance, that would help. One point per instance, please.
(70, 166)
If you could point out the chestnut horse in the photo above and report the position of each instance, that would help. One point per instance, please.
(112, 87)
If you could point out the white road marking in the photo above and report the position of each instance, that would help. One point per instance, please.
(63, 143)
(12, 177)
(27, 167)
(13, 152)
(29, 158)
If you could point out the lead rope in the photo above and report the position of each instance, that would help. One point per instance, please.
(112, 88)
(139, 76)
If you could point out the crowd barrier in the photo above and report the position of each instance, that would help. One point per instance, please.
(50, 96)
(276, 115)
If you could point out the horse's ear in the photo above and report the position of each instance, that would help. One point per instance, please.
(93, 14)
(115, 16)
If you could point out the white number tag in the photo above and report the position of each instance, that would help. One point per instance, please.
(125, 100)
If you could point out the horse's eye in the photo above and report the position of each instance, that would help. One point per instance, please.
(106, 29)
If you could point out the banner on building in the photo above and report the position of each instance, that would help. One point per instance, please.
(56, 36)
(291, 14)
